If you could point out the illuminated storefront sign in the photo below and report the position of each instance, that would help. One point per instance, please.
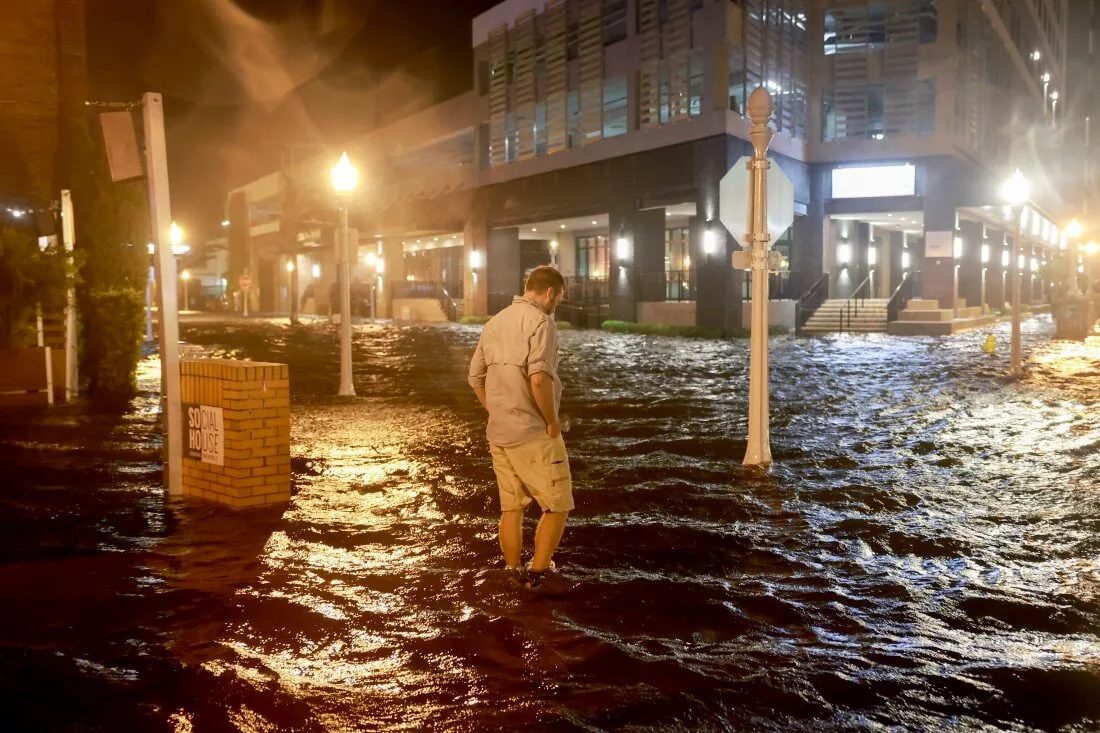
(874, 181)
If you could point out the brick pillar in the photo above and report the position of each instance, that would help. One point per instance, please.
(247, 458)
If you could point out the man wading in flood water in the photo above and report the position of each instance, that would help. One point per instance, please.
(514, 373)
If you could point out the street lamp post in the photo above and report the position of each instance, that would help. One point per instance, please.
(1016, 191)
(185, 277)
(344, 180)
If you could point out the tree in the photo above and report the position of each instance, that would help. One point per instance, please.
(29, 276)
(112, 231)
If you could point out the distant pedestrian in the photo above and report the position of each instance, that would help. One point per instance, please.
(514, 373)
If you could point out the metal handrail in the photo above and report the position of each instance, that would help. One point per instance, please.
(901, 295)
(810, 301)
(854, 301)
(450, 308)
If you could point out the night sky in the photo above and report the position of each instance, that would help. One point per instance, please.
(242, 78)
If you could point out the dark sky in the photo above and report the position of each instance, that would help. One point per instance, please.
(242, 77)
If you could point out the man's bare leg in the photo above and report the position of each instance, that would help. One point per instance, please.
(547, 536)
(511, 537)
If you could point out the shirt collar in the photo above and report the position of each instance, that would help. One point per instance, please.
(528, 301)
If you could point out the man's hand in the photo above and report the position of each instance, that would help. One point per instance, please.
(553, 429)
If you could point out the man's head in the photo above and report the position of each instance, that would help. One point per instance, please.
(546, 287)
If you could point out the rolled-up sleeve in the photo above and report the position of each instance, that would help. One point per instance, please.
(542, 347)
(478, 368)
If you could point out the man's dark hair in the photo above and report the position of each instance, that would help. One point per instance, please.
(544, 277)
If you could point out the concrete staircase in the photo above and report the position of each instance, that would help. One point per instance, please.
(871, 317)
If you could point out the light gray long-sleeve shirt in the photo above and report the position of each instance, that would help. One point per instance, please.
(515, 344)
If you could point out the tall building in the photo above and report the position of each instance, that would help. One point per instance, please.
(42, 89)
(597, 132)
(1082, 115)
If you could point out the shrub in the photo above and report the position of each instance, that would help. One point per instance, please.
(474, 320)
(565, 326)
(113, 322)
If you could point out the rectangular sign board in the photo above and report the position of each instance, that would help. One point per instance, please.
(203, 433)
(874, 181)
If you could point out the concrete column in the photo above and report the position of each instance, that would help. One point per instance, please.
(566, 256)
(882, 242)
(996, 293)
(939, 234)
(894, 248)
(644, 235)
(502, 268)
(475, 238)
(393, 273)
(970, 263)
(718, 285)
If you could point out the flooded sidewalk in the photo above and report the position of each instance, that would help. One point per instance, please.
(924, 554)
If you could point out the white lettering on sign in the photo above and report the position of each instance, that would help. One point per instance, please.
(205, 434)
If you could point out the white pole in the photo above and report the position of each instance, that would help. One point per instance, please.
(160, 213)
(1017, 250)
(343, 252)
(759, 452)
(149, 304)
(68, 233)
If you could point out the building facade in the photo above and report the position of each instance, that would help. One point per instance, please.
(42, 91)
(596, 133)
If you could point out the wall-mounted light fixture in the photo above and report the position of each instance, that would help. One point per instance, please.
(1006, 259)
(475, 260)
(958, 248)
(622, 249)
(905, 260)
(872, 256)
(843, 254)
(710, 240)
(316, 271)
(985, 254)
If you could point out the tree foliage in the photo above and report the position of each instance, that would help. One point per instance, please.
(112, 232)
(28, 276)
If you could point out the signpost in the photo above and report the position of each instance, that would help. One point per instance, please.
(756, 205)
(156, 170)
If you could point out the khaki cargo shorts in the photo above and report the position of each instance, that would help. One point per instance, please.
(536, 470)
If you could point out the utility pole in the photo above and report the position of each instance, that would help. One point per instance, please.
(160, 214)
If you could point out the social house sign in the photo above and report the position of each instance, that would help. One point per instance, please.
(204, 434)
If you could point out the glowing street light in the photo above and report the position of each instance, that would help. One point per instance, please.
(1016, 191)
(1074, 229)
(175, 236)
(344, 180)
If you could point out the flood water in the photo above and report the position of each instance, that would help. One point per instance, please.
(924, 554)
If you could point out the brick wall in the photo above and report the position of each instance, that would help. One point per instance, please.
(255, 400)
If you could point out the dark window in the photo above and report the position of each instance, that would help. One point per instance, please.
(926, 107)
(614, 21)
(929, 21)
(483, 77)
(875, 123)
(593, 258)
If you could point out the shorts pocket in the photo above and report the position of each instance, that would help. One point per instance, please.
(558, 459)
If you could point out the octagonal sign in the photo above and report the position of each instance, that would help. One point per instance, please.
(734, 204)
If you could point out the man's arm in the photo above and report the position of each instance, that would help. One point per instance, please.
(540, 359)
(542, 388)
(476, 377)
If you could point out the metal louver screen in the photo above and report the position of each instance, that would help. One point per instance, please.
(498, 94)
(590, 45)
(523, 90)
(677, 33)
(554, 21)
(649, 74)
(900, 69)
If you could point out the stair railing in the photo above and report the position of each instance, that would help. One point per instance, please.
(448, 303)
(855, 300)
(811, 300)
(905, 290)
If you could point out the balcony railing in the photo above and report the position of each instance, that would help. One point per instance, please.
(667, 285)
(587, 290)
(781, 286)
